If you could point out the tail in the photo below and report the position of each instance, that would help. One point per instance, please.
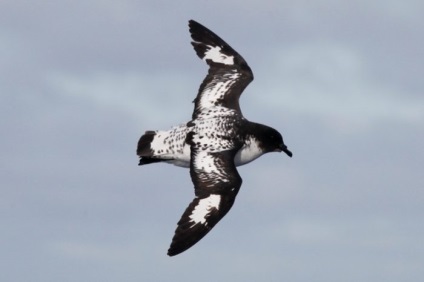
(144, 149)
(143, 146)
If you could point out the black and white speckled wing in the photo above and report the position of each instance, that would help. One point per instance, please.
(216, 182)
(228, 73)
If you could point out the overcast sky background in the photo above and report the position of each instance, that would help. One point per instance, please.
(81, 80)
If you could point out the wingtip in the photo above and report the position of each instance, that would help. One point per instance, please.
(178, 247)
(171, 253)
(192, 24)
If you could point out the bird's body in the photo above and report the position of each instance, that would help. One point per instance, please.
(171, 146)
(214, 142)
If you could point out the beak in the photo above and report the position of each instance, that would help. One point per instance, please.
(285, 150)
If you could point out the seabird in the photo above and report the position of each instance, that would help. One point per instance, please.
(214, 142)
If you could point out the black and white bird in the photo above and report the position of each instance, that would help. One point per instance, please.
(214, 142)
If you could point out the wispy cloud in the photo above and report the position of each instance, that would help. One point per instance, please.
(333, 82)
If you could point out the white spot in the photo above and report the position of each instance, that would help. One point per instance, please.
(214, 54)
(204, 207)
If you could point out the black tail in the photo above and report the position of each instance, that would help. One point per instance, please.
(144, 150)
(143, 146)
(147, 160)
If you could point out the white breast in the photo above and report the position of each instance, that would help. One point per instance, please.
(249, 152)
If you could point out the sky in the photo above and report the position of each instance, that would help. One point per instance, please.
(80, 81)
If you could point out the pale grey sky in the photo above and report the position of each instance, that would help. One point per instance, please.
(80, 81)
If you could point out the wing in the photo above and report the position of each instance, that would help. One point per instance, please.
(216, 182)
(228, 73)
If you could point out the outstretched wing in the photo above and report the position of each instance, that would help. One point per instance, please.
(228, 73)
(216, 182)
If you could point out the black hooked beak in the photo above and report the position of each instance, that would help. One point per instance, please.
(284, 149)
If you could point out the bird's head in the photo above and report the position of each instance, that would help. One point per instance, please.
(272, 141)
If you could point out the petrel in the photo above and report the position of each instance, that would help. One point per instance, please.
(217, 139)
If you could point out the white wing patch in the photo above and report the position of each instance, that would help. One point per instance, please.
(214, 54)
(204, 162)
(204, 207)
(216, 90)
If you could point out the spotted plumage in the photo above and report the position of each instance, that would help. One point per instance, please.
(214, 142)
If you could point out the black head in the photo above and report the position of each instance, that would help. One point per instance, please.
(272, 141)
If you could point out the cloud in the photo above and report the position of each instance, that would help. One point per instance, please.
(95, 251)
(332, 81)
(80, 81)
(145, 96)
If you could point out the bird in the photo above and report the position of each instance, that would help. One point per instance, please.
(214, 142)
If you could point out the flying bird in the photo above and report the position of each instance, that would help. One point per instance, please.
(216, 140)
